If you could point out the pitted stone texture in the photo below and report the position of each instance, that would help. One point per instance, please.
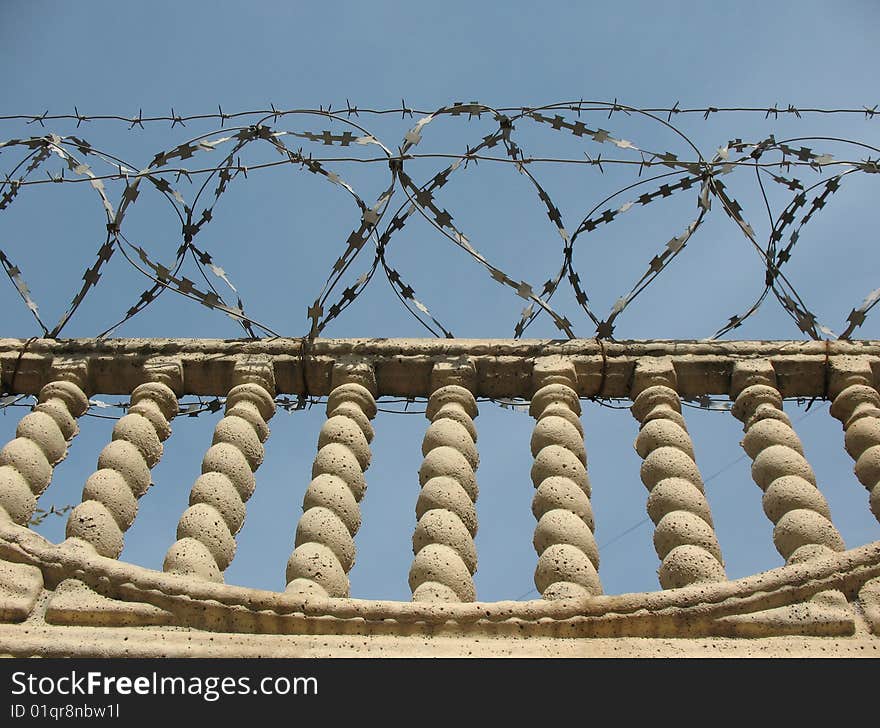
(460, 414)
(253, 395)
(677, 494)
(562, 526)
(777, 461)
(557, 493)
(205, 523)
(20, 588)
(250, 412)
(867, 467)
(345, 431)
(216, 489)
(192, 557)
(445, 527)
(656, 433)
(568, 558)
(441, 564)
(684, 536)
(567, 564)
(857, 406)
(139, 431)
(28, 458)
(93, 523)
(42, 439)
(445, 557)
(324, 548)
(857, 398)
(227, 459)
(434, 592)
(321, 525)
(315, 562)
(558, 461)
(560, 409)
(754, 398)
(452, 398)
(656, 401)
(446, 494)
(791, 492)
(41, 428)
(862, 434)
(767, 432)
(150, 397)
(669, 462)
(206, 531)
(123, 473)
(447, 432)
(681, 527)
(57, 410)
(125, 459)
(239, 433)
(807, 551)
(109, 487)
(810, 552)
(555, 430)
(337, 459)
(329, 491)
(803, 528)
(348, 393)
(449, 462)
(353, 412)
(151, 411)
(689, 564)
(68, 393)
(16, 498)
(556, 397)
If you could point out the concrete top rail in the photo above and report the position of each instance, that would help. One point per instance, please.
(503, 367)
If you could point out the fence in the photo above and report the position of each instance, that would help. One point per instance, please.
(812, 595)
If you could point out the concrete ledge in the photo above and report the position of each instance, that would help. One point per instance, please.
(47, 641)
(503, 367)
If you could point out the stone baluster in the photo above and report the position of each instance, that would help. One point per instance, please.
(802, 521)
(568, 558)
(856, 404)
(684, 535)
(42, 439)
(324, 549)
(206, 531)
(443, 542)
(110, 495)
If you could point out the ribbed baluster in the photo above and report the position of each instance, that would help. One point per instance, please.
(684, 535)
(206, 531)
(857, 405)
(41, 442)
(110, 496)
(443, 543)
(568, 558)
(324, 550)
(803, 528)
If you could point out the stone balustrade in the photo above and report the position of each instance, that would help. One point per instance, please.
(556, 379)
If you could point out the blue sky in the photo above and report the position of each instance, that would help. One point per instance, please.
(278, 233)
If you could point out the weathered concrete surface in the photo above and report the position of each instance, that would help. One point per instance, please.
(77, 599)
(47, 641)
(824, 606)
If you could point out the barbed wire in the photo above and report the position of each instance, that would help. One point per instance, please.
(771, 161)
(404, 110)
(411, 405)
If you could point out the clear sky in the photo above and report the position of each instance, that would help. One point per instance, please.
(278, 233)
